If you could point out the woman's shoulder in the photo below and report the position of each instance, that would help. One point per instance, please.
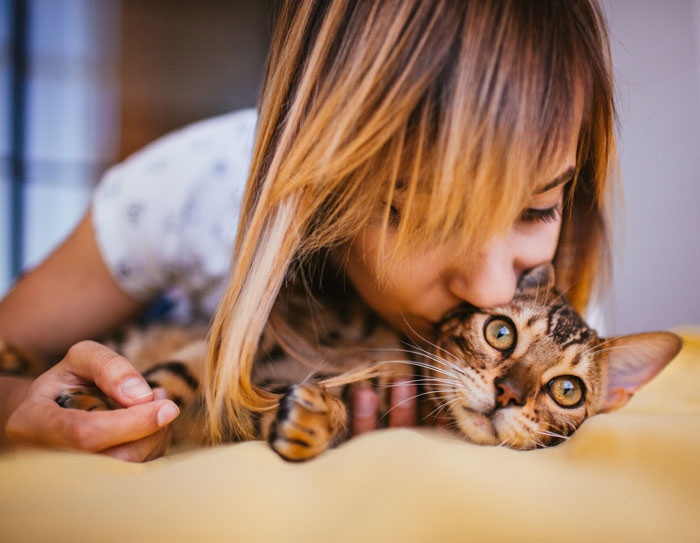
(225, 138)
(172, 207)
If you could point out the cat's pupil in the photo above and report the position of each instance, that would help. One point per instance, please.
(502, 332)
(567, 387)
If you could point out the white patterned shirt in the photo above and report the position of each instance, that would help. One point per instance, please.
(165, 219)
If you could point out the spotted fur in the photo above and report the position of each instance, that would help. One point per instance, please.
(504, 397)
(486, 395)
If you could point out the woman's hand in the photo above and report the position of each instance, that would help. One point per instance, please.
(402, 409)
(137, 433)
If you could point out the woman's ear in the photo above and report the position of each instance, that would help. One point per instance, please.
(629, 362)
(536, 282)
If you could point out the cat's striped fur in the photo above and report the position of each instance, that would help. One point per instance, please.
(524, 375)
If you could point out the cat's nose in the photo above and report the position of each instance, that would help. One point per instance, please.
(507, 392)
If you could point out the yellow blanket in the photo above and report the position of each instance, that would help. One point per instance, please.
(629, 476)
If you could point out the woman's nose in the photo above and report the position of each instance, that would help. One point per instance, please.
(489, 280)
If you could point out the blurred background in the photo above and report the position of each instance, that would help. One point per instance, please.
(84, 83)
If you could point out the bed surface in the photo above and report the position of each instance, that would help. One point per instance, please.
(630, 476)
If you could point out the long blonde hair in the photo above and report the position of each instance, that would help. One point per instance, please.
(459, 104)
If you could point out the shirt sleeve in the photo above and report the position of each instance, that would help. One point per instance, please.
(142, 207)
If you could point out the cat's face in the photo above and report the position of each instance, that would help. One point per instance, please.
(526, 375)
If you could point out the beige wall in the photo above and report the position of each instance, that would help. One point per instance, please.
(656, 56)
(182, 60)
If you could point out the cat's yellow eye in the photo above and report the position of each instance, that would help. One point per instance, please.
(566, 390)
(500, 334)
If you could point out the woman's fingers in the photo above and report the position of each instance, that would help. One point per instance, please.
(364, 411)
(402, 407)
(41, 421)
(142, 450)
(402, 412)
(113, 374)
(147, 448)
(38, 420)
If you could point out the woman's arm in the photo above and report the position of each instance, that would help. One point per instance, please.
(68, 298)
(71, 296)
(12, 392)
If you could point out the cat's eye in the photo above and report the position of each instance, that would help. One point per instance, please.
(566, 390)
(500, 333)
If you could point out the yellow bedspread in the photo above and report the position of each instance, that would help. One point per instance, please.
(629, 476)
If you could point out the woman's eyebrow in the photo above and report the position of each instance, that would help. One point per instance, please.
(563, 177)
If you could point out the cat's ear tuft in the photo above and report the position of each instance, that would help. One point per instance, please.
(537, 282)
(632, 361)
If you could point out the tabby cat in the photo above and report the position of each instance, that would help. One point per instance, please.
(524, 375)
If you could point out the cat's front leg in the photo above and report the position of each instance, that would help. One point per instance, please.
(309, 419)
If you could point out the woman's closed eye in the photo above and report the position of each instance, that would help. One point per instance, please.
(394, 215)
(529, 215)
(533, 214)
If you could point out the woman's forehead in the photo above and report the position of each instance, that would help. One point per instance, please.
(561, 167)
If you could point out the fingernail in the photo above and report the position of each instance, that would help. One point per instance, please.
(403, 393)
(365, 403)
(160, 394)
(135, 389)
(167, 413)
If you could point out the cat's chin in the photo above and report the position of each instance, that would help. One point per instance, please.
(477, 427)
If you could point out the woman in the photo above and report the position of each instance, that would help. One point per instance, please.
(434, 150)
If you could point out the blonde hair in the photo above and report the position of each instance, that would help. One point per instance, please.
(459, 105)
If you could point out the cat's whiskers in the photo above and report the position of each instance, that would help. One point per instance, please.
(538, 444)
(424, 381)
(563, 293)
(606, 349)
(433, 358)
(402, 403)
(571, 426)
(507, 442)
(419, 351)
(421, 365)
(443, 390)
(443, 406)
(597, 345)
(445, 363)
(552, 434)
(522, 426)
(424, 339)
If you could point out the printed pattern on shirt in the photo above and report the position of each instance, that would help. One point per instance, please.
(165, 219)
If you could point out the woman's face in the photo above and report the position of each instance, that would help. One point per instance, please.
(420, 289)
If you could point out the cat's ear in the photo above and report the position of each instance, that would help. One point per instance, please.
(632, 361)
(537, 282)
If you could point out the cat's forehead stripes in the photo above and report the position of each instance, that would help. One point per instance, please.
(565, 326)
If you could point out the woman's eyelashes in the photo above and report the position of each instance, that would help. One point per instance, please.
(394, 216)
(534, 214)
(530, 215)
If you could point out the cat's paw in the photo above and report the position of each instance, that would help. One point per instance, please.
(85, 400)
(13, 361)
(309, 419)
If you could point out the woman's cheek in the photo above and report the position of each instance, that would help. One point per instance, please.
(537, 243)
